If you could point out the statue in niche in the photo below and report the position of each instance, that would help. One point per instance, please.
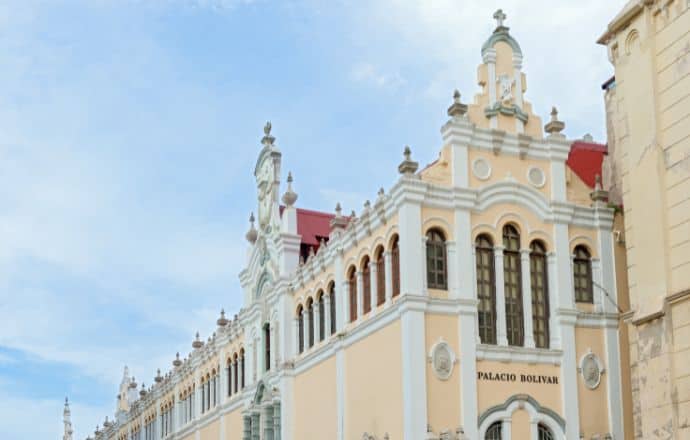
(505, 89)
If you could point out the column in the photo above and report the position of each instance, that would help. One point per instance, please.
(345, 301)
(501, 335)
(268, 422)
(295, 325)
(197, 397)
(527, 298)
(599, 297)
(506, 429)
(307, 328)
(276, 420)
(273, 332)
(327, 311)
(360, 295)
(228, 380)
(373, 286)
(316, 327)
(341, 296)
(452, 270)
(256, 428)
(411, 256)
(247, 428)
(414, 357)
(388, 265)
(425, 269)
(554, 332)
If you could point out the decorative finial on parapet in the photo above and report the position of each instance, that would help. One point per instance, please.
(177, 362)
(554, 127)
(198, 343)
(67, 420)
(290, 197)
(500, 17)
(133, 383)
(599, 195)
(267, 140)
(338, 222)
(252, 234)
(222, 321)
(408, 167)
(457, 109)
(158, 378)
(142, 393)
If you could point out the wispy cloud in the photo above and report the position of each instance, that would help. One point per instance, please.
(370, 74)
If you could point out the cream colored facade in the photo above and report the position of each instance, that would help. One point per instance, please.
(648, 108)
(374, 332)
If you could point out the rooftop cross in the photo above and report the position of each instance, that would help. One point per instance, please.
(500, 17)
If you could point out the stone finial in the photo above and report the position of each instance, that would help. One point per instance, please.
(222, 321)
(367, 205)
(133, 383)
(177, 362)
(588, 138)
(408, 167)
(267, 140)
(457, 109)
(252, 234)
(311, 252)
(599, 195)
(142, 392)
(198, 343)
(554, 127)
(500, 18)
(290, 197)
(338, 222)
(158, 378)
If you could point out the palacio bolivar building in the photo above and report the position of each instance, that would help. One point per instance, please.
(474, 298)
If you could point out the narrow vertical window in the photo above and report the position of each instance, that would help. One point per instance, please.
(513, 285)
(300, 329)
(310, 321)
(352, 283)
(366, 286)
(242, 368)
(395, 262)
(486, 289)
(582, 275)
(436, 260)
(229, 374)
(234, 374)
(540, 294)
(322, 317)
(380, 277)
(331, 290)
(267, 347)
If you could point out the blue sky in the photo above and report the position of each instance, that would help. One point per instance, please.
(128, 135)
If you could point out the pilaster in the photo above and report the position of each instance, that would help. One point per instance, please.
(527, 298)
(411, 257)
(388, 265)
(501, 334)
(373, 283)
(414, 374)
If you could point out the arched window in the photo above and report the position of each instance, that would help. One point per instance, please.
(267, 347)
(331, 292)
(234, 374)
(512, 274)
(395, 262)
(310, 321)
(540, 294)
(352, 283)
(544, 432)
(494, 432)
(229, 374)
(322, 316)
(582, 275)
(486, 289)
(242, 368)
(300, 325)
(436, 274)
(380, 277)
(366, 286)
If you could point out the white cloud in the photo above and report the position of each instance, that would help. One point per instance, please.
(370, 74)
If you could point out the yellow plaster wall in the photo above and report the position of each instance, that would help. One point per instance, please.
(576, 190)
(520, 425)
(373, 384)
(502, 166)
(439, 172)
(593, 403)
(443, 396)
(233, 425)
(491, 393)
(210, 431)
(190, 437)
(315, 402)
(442, 219)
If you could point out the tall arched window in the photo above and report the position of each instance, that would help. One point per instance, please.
(486, 289)
(366, 286)
(331, 293)
(380, 276)
(267, 347)
(310, 321)
(300, 325)
(513, 285)
(234, 374)
(582, 275)
(436, 273)
(540, 294)
(242, 368)
(494, 432)
(322, 316)
(544, 432)
(395, 270)
(352, 283)
(229, 373)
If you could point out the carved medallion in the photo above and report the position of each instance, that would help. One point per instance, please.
(481, 169)
(442, 360)
(591, 370)
(536, 177)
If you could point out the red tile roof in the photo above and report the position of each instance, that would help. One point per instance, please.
(585, 160)
(312, 225)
